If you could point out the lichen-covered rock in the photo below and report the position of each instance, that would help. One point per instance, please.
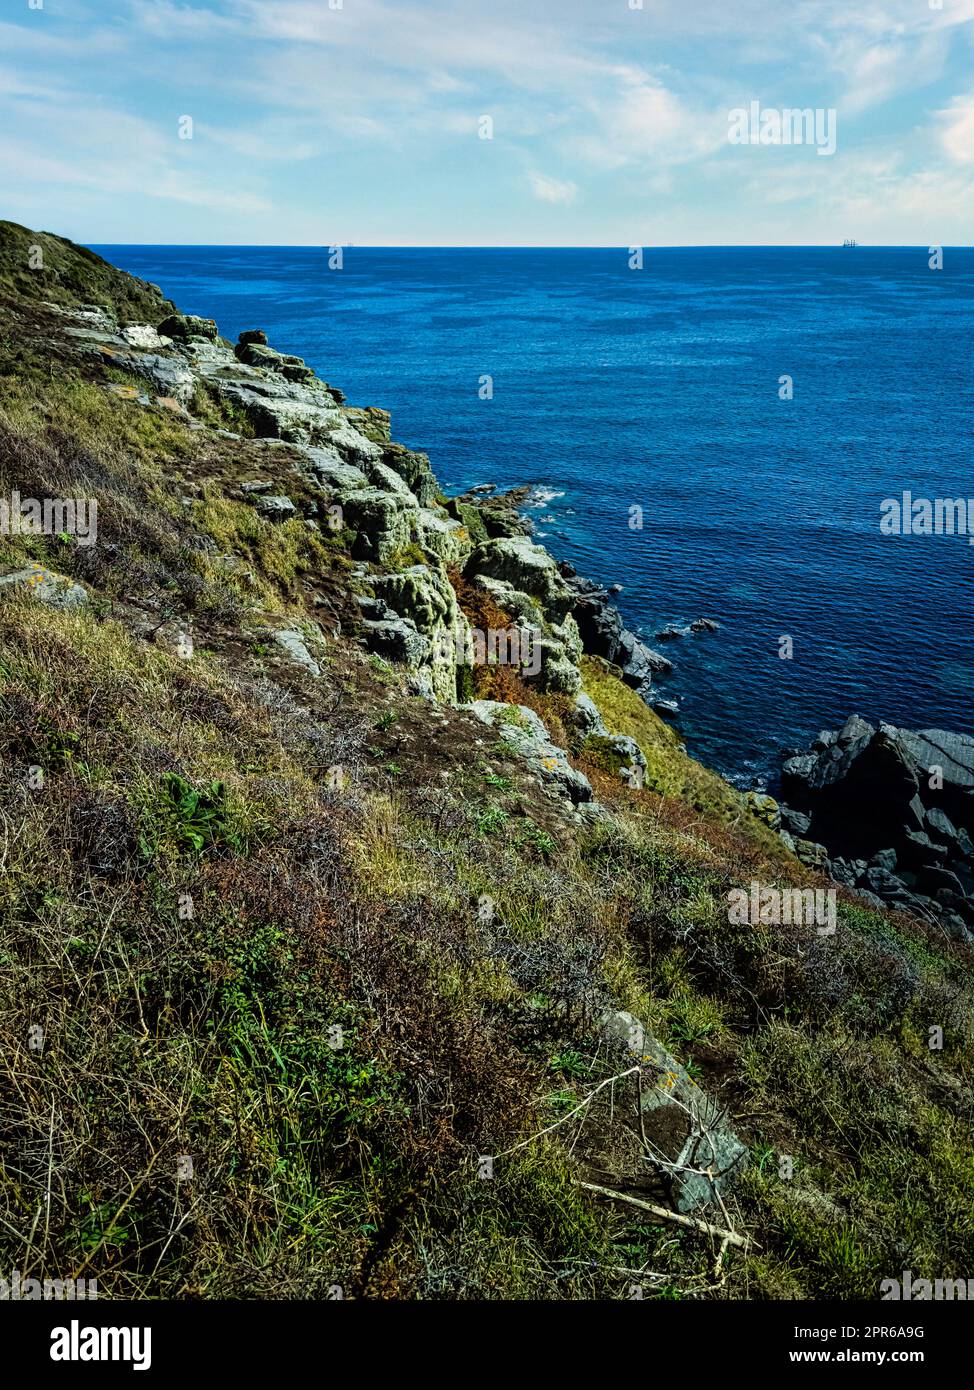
(369, 420)
(526, 567)
(697, 1154)
(469, 518)
(383, 522)
(381, 476)
(424, 598)
(568, 635)
(415, 471)
(521, 607)
(421, 594)
(558, 673)
(329, 471)
(44, 585)
(765, 808)
(440, 535)
(293, 643)
(187, 326)
(522, 730)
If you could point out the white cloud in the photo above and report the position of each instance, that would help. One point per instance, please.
(551, 190)
(957, 132)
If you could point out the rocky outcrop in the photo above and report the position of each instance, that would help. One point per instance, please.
(603, 633)
(385, 498)
(892, 813)
(188, 326)
(419, 623)
(523, 733)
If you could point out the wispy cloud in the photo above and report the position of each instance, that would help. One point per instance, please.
(551, 190)
(604, 118)
(957, 130)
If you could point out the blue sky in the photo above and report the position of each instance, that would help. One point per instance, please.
(324, 121)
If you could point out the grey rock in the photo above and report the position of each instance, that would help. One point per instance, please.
(885, 884)
(621, 1030)
(143, 335)
(587, 717)
(187, 326)
(797, 822)
(919, 848)
(687, 1132)
(44, 585)
(296, 648)
(170, 375)
(936, 748)
(276, 508)
(843, 871)
(663, 706)
(855, 729)
(259, 355)
(811, 853)
(524, 733)
(398, 640)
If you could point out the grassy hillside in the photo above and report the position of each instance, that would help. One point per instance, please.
(246, 910)
(37, 266)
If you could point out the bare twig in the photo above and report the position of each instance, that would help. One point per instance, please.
(664, 1214)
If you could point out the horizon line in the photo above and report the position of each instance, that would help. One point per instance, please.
(538, 246)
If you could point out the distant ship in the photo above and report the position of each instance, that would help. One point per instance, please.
(847, 244)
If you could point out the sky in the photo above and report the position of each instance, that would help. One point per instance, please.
(486, 122)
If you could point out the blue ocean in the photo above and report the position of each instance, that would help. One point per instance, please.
(658, 388)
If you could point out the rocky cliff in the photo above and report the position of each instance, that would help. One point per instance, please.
(363, 927)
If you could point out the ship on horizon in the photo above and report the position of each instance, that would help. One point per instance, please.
(847, 243)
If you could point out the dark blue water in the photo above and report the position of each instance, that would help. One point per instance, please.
(658, 388)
